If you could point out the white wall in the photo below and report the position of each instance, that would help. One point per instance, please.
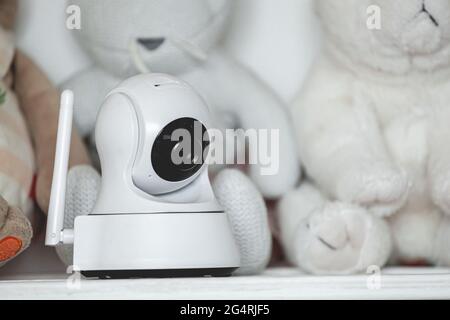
(276, 38)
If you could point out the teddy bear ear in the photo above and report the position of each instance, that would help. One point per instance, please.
(8, 10)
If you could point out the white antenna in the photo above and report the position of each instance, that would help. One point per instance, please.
(55, 220)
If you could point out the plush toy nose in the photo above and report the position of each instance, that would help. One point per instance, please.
(151, 43)
(432, 18)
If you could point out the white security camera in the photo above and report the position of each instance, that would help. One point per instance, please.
(154, 216)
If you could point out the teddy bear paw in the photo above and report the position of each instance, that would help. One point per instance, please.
(339, 240)
(83, 185)
(247, 213)
(381, 188)
(15, 232)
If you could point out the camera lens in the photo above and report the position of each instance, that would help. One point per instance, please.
(179, 150)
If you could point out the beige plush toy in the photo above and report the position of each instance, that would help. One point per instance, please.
(28, 123)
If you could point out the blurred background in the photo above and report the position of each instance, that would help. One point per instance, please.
(277, 39)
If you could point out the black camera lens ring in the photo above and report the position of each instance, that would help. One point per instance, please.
(163, 148)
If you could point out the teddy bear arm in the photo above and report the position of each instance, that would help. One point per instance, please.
(255, 106)
(39, 101)
(342, 147)
(332, 142)
(439, 161)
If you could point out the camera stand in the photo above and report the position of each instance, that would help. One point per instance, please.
(154, 245)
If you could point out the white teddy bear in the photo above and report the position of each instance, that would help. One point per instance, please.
(182, 38)
(373, 124)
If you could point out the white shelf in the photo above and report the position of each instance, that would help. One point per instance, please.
(38, 274)
(277, 283)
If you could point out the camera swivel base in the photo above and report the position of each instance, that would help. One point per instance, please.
(154, 245)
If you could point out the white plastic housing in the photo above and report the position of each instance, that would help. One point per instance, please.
(140, 221)
(128, 123)
(154, 242)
